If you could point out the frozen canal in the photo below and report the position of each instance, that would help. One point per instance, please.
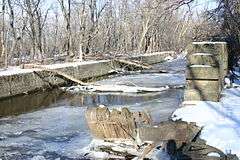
(52, 125)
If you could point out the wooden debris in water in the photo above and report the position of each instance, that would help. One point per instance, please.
(104, 124)
(133, 64)
(180, 140)
(179, 131)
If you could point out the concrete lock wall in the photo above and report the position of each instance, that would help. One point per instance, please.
(16, 84)
(207, 65)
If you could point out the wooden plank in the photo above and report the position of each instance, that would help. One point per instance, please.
(116, 124)
(180, 132)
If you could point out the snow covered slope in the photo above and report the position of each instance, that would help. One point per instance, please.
(221, 120)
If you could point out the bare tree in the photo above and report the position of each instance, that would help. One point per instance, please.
(93, 27)
(4, 53)
(66, 10)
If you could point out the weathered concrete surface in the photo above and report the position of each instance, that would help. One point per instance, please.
(202, 72)
(202, 95)
(202, 59)
(206, 69)
(31, 81)
(217, 49)
(207, 47)
(16, 84)
(180, 132)
(203, 85)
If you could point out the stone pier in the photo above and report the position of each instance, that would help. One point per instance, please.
(207, 65)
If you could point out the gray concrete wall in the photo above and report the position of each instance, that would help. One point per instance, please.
(206, 68)
(20, 83)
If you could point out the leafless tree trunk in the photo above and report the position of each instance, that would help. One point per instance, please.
(12, 27)
(31, 8)
(67, 16)
(4, 53)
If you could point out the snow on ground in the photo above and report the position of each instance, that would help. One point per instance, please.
(93, 152)
(13, 70)
(220, 120)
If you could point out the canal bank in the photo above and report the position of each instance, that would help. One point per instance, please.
(55, 126)
(18, 81)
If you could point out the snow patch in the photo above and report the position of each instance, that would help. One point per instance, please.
(113, 88)
(203, 66)
(202, 54)
(220, 120)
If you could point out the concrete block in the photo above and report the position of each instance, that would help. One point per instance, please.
(203, 59)
(202, 72)
(208, 85)
(201, 95)
(215, 48)
(180, 132)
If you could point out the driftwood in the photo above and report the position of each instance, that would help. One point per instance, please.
(133, 64)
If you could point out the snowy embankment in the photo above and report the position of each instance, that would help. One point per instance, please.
(220, 120)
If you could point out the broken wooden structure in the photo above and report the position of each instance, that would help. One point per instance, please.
(180, 139)
(132, 64)
(116, 124)
(207, 65)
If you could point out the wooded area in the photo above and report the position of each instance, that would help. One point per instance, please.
(42, 30)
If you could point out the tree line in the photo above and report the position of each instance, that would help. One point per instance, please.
(38, 30)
